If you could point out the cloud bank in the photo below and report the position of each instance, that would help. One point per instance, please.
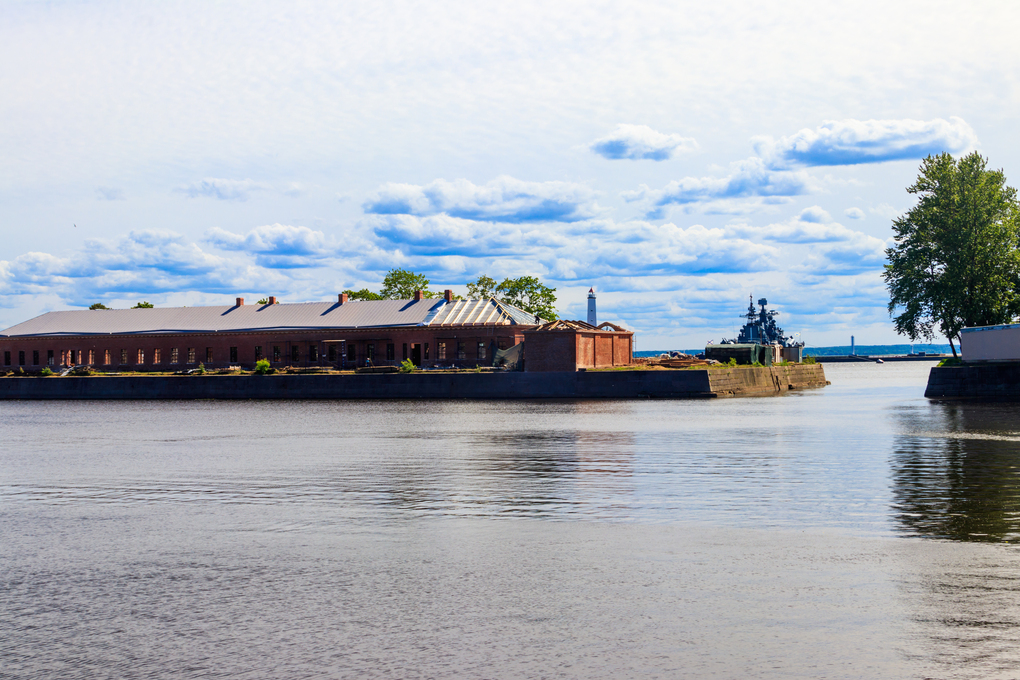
(746, 179)
(640, 142)
(223, 189)
(505, 199)
(852, 142)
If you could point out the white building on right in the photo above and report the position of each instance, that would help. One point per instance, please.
(991, 343)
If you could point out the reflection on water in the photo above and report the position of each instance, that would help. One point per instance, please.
(956, 471)
(855, 531)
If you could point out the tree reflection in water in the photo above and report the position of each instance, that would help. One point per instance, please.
(956, 472)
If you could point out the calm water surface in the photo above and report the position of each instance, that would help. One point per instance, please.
(857, 531)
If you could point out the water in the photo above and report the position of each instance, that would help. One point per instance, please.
(855, 531)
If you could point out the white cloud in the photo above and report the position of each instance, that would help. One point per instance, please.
(851, 142)
(109, 194)
(750, 178)
(278, 246)
(570, 251)
(504, 198)
(637, 142)
(854, 213)
(223, 189)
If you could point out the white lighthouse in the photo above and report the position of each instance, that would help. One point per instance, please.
(591, 307)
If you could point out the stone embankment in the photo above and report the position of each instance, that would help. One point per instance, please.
(619, 384)
(992, 381)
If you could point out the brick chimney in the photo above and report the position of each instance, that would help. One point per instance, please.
(418, 295)
(448, 295)
(240, 302)
(341, 298)
(272, 300)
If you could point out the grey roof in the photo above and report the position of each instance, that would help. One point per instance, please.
(302, 316)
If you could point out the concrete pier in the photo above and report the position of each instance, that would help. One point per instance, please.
(667, 384)
(990, 381)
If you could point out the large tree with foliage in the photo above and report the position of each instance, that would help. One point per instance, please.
(525, 292)
(955, 261)
(400, 284)
(363, 294)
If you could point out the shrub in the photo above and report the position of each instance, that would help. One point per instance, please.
(732, 362)
(809, 360)
(81, 370)
(200, 370)
(407, 366)
(262, 367)
(758, 364)
(951, 361)
(46, 371)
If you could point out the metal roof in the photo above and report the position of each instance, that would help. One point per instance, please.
(278, 317)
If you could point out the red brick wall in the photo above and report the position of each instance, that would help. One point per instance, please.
(550, 351)
(570, 350)
(220, 343)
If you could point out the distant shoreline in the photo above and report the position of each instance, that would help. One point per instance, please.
(839, 350)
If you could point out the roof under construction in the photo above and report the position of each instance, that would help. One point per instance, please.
(567, 325)
(275, 317)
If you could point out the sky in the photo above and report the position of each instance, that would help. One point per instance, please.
(678, 157)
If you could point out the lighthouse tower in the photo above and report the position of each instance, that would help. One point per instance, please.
(591, 307)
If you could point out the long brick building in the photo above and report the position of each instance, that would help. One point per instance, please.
(345, 333)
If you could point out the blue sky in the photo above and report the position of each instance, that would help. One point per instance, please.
(677, 156)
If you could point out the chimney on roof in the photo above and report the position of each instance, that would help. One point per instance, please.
(272, 300)
(418, 296)
(341, 298)
(448, 295)
(240, 302)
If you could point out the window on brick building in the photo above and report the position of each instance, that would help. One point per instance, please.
(7, 358)
(175, 357)
(74, 357)
(501, 344)
(426, 355)
(441, 351)
(351, 352)
(92, 357)
(157, 356)
(208, 354)
(313, 352)
(123, 357)
(276, 354)
(295, 353)
(331, 352)
(405, 352)
(233, 355)
(35, 357)
(106, 357)
(258, 352)
(481, 350)
(391, 352)
(191, 355)
(141, 356)
(461, 350)
(21, 357)
(49, 357)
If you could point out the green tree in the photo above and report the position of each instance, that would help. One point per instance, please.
(143, 305)
(363, 294)
(530, 294)
(400, 284)
(955, 261)
(98, 305)
(481, 288)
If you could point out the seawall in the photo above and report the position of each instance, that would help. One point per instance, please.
(730, 382)
(993, 381)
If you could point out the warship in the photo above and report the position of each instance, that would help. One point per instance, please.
(761, 328)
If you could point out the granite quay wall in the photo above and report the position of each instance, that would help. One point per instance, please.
(426, 385)
(992, 381)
